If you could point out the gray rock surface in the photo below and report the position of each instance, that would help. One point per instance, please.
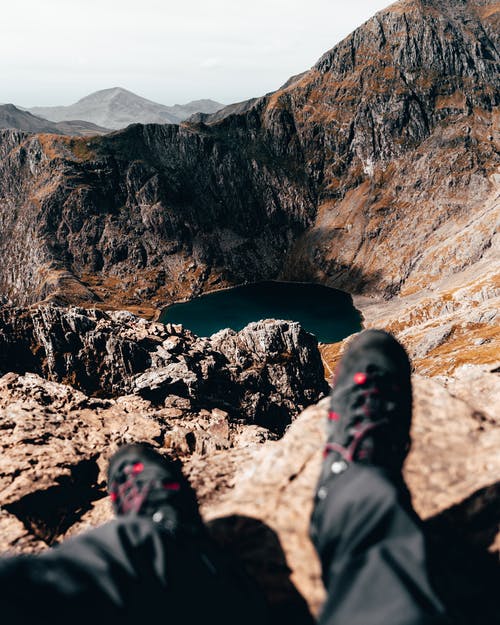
(266, 373)
(433, 338)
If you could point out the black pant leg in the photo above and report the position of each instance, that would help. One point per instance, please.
(130, 570)
(372, 551)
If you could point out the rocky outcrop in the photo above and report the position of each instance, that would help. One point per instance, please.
(265, 374)
(255, 493)
(114, 378)
(452, 472)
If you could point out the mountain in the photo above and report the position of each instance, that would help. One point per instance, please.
(12, 117)
(117, 108)
(375, 172)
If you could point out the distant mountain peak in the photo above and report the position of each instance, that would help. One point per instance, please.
(106, 94)
(118, 107)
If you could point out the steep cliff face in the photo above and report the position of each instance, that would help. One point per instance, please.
(370, 172)
(155, 210)
(406, 113)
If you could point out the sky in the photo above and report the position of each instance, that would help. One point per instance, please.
(57, 51)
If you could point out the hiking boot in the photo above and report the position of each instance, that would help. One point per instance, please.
(370, 409)
(144, 483)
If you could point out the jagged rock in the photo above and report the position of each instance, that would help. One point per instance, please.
(49, 430)
(55, 436)
(86, 348)
(55, 443)
(271, 392)
(175, 377)
(376, 171)
(434, 338)
(266, 373)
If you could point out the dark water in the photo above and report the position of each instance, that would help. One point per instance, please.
(327, 313)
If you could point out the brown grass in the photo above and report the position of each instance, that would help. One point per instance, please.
(455, 100)
(488, 11)
(330, 354)
(81, 148)
(56, 146)
(52, 145)
(460, 350)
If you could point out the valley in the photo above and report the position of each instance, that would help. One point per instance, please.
(376, 172)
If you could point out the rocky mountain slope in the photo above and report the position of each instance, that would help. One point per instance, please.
(13, 117)
(117, 108)
(124, 378)
(266, 373)
(376, 171)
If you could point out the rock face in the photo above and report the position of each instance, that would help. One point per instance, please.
(452, 472)
(255, 492)
(376, 171)
(138, 381)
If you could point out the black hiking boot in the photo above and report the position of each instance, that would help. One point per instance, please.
(144, 483)
(370, 410)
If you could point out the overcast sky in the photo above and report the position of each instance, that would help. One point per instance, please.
(57, 51)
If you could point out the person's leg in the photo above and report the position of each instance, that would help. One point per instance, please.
(155, 560)
(113, 572)
(367, 535)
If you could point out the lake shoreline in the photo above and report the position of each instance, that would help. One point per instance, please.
(326, 312)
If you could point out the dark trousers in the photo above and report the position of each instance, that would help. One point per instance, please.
(372, 552)
(132, 571)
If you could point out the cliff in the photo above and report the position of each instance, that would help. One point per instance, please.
(372, 172)
(376, 172)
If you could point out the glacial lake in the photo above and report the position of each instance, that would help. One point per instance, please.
(327, 313)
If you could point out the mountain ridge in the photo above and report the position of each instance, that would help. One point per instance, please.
(378, 171)
(13, 117)
(375, 172)
(117, 107)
